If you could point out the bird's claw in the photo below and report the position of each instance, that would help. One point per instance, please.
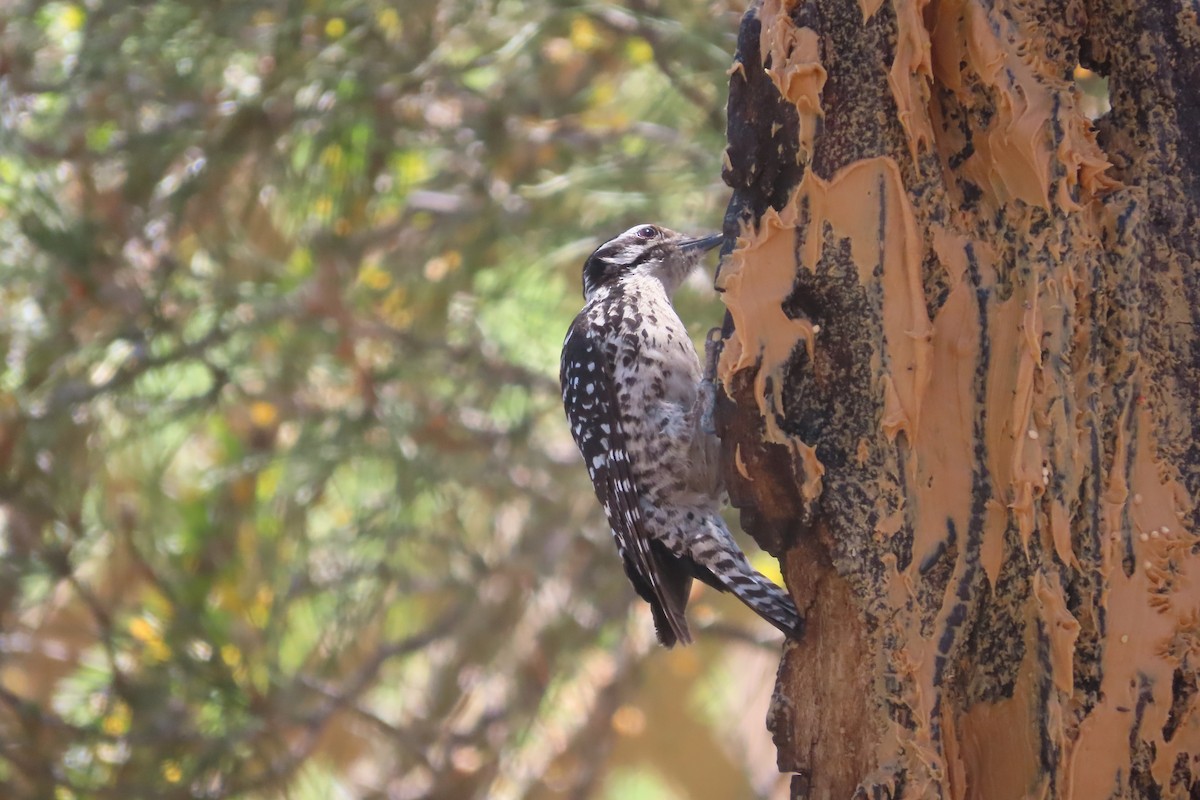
(713, 344)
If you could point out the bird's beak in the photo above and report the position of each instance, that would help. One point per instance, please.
(703, 244)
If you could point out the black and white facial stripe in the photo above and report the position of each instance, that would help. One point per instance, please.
(649, 249)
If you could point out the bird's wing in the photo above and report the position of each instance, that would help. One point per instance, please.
(594, 413)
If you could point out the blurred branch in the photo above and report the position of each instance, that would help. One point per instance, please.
(76, 391)
(335, 699)
(496, 368)
(634, 23)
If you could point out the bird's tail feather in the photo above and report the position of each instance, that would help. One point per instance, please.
(725, 567)
(675, 582)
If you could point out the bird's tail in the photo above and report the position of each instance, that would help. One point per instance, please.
(729, 571)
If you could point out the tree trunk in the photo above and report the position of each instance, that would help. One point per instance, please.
(961, 378)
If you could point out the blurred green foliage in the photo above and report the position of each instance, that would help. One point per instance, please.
(287, 504)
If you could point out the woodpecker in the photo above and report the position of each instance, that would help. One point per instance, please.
(630, 380)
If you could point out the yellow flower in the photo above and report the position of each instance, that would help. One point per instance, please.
(639, 51)
(171, 771)
(323, 207)
(263, 414)
(143, 630)
(157, 650)
(584, 34)
(332, 156)
(394, 308)
(373, 277)
(116, 722)
(389, 22)
(72, 17)
(260, 611)
(150, 635)
(335, 28)
(231, 655)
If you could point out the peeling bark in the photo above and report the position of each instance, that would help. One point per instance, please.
(962, 390)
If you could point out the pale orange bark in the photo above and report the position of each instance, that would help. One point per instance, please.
(963, 390)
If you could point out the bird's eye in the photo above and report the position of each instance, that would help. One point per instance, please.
(647, 232)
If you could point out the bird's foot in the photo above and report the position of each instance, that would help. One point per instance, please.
(713, 344)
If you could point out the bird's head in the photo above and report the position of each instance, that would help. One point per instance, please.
(645, 250)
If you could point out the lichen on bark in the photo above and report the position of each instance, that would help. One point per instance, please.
(960, 373)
